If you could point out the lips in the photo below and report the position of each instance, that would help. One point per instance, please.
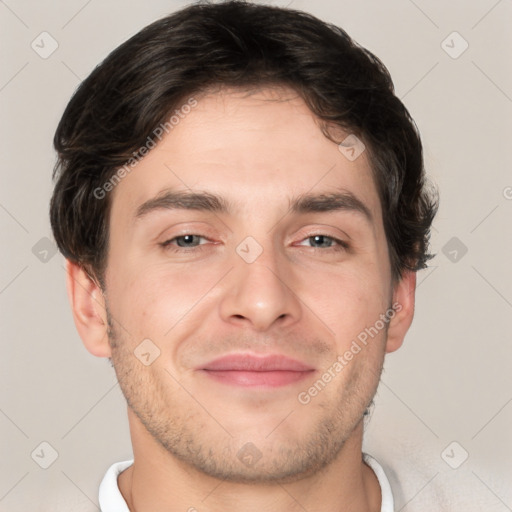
(249, 370)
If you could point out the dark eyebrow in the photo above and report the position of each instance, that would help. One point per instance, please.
(169, 200)
(311, 203)
(204, 201)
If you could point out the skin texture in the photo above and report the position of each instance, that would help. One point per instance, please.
(302, 298)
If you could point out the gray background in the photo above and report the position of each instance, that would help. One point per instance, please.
(452, 379)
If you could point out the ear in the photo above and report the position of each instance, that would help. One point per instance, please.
(89, 310)
(403, 305)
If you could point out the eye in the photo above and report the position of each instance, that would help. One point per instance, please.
(325, 242)
(184, 241)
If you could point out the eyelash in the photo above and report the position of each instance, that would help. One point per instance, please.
(340, 245)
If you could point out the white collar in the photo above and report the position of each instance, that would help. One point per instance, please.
(110, 497)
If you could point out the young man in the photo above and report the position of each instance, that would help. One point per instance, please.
(240, 197)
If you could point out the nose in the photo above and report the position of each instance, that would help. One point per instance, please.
(261, 294)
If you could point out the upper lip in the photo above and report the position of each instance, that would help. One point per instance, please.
(253, 363)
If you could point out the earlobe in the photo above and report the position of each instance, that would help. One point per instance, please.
(89, 310)
(403, 305)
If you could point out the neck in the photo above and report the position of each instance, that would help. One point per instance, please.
(158, 481)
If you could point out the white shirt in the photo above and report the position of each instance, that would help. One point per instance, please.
(111, 499)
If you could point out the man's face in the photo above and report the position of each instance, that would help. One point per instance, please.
(257, 278)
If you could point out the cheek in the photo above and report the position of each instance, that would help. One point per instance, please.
(152, 299)
(347, 300)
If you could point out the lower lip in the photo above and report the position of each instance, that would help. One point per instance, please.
(252, 379)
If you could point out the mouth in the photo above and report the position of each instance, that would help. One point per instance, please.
(248, 370)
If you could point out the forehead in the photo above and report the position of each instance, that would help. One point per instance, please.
(255, 149)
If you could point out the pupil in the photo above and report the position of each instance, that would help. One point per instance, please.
(186, 240)
(320, 240)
